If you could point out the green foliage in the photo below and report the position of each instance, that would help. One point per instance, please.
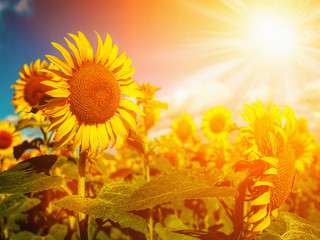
(29, 123)
(181, 184)
(27, 176)
(99, 208)
(58, 231)
(290, 226)
(10, 204)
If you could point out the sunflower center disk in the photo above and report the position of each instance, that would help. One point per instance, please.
(217, 124)
(34, 90)
(95, 94)
(5, 139)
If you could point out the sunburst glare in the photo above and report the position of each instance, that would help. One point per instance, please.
(266, 48)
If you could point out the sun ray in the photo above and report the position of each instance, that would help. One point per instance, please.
(261, 43)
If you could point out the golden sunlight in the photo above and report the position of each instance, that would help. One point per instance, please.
(259, 49)
(274, 36)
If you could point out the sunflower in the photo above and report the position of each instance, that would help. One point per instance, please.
(184, 128)
(9, 138)
(217, 123)
(29, 89)
(303, 144)
(87, 106)
(272, 173)
(262, 121)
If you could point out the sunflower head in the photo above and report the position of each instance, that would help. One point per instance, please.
(217, 123)
(87, 105)
(272, 173)
(29, 89)
(184, 128)
(148, 91)
(303, 144)
(9, 138)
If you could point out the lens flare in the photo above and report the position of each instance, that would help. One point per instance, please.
(258, 49)
(274, 37)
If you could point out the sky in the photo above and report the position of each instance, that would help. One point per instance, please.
(197, 51)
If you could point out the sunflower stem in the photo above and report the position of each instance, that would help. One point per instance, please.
(83, 220)
(147, 177)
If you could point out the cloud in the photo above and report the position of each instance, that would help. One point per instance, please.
(23, 6)
(11, 118)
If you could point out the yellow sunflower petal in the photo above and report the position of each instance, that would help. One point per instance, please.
(85, 141)
(127, 104)
(263, 225)
(93, 139)
(128, 117)
(271, 171)
(263, 199)
(111, 133)
(59, 93)
(272, 160)
(258, 215)
(87, 44)
(118, 127)
(75, 52)
(118, 61)
(103, 136)
(107, 46)
(125, 73)
(65, 53)
(59, 62)
(113, 55)
(81, 46)
(99, 50)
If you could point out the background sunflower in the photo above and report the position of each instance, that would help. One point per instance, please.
(9, 138)
(29, 89)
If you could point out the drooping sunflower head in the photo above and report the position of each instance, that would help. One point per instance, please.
(217, 123)
(87, 103)
(184, 128)
(303, 144)
(272, 173)
(29, 89)
(9, 138)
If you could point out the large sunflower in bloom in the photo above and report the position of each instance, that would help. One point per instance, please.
(9, 138)
(29, 89)
(217, 123)
(273, 170)
(87, 105)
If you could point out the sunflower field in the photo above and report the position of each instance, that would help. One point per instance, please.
(96, 172)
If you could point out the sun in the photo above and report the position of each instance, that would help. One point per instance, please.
(275, 37)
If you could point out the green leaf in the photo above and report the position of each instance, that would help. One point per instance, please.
(298, 226)
(26, 176)
(10, 204)
(268, 236)
(99, 208)
(180, 185)
(34, 165)
(24, 235)
(20, 149)
(290, 226)
(59, 231)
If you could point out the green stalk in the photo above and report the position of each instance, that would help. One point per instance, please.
(147, 177)
(83, 220)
